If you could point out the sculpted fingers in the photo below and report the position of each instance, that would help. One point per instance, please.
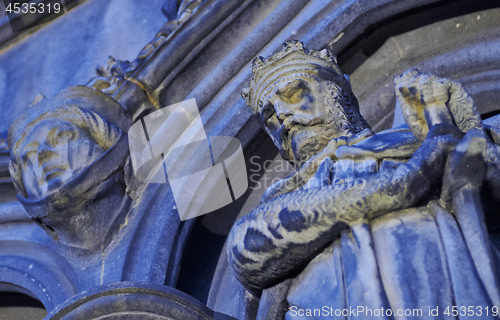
(427, 100)
(423, 99)
(410, 102)
(424, 88)
(463, 109)
(406, 88)
(434, 90)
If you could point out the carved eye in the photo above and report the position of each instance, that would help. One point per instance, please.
(29, 152)
(27, 156)
(61, 135)
(294, 91)
(66, 135)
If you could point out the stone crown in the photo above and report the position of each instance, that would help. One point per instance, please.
(294, 61)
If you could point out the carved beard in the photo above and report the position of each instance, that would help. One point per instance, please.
(307, 142)
(303, 142)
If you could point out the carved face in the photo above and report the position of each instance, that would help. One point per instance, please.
(303, 115)
(52, 153)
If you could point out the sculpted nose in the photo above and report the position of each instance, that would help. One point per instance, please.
(45, 152)
(282, 110)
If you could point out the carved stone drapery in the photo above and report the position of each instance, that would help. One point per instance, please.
(212, 65)
(342, 233)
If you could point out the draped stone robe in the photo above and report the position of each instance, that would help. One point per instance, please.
(403, 265)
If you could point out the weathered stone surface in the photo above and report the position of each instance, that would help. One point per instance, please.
(128, 300)
(460, 44)
(206, 54)
(284, 236)
(66, 51)
(67, 165)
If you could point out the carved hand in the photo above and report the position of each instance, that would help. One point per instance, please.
(427, 100)
(423, 98)
(281, 236)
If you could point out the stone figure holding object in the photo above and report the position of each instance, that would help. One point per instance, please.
(392, 220)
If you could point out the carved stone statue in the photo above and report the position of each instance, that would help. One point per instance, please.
(386, 221)
(67, 165)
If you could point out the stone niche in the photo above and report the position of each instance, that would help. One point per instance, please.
(167, 51)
